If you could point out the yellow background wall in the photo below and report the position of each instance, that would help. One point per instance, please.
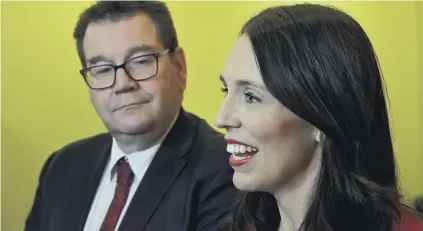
(45, 102)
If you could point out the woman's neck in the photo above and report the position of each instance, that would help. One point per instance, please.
(294, 199)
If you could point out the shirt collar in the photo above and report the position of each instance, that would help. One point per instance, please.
(139, 160)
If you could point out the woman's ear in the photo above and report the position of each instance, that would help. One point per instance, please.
(318, 136)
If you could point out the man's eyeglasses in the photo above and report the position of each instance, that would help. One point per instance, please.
(138, 68)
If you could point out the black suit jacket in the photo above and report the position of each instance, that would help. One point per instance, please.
(188, 185)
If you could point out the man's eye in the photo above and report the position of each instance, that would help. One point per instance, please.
(100, 70)
(142, 61)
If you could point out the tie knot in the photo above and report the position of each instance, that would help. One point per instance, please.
(124, 172)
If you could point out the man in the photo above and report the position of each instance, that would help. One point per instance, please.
(159, 168)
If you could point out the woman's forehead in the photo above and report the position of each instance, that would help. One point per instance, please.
(241, 62)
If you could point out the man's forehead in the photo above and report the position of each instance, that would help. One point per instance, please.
(116, 37)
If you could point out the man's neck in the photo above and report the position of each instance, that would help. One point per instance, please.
(133, 143)
(294, 202)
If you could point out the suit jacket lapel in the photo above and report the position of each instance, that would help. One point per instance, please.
(91, 171)
(164, 168)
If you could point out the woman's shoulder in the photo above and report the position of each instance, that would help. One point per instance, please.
(410, 221)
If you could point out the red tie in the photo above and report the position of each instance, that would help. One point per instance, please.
(124, 180)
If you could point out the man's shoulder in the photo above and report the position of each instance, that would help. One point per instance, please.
(206, 135)
(81, 148)
(208, 144)
(72, 157)
(92, 142)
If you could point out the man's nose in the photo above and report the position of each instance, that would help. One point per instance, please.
(124, 82)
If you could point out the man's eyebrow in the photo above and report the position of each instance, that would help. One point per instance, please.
(98, 58)
(143, 48)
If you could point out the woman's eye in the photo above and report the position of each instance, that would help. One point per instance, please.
(224, 89)
(251, 98)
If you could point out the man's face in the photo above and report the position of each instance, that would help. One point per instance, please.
(134, 107)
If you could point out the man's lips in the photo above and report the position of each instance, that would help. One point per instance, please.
(128, 105)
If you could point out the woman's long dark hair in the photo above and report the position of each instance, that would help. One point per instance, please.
(318, 62)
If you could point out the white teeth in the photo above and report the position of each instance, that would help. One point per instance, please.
(235, 157)
(231, 148)
(237, 148)
(242, 149)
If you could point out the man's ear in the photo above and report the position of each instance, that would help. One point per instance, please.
(178, 60)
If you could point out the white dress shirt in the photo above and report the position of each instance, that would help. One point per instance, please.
(139, 162)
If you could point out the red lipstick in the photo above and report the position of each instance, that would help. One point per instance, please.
(239, 159)
(237, 163)
(232, 141)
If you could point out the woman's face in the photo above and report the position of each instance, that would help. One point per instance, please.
(271, 147)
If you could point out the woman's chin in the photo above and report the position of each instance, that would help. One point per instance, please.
(244, 183)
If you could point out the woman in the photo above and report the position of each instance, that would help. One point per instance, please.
(307, 126)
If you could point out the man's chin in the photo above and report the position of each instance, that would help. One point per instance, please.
(133, 128)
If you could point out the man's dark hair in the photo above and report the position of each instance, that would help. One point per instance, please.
(118, 10)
